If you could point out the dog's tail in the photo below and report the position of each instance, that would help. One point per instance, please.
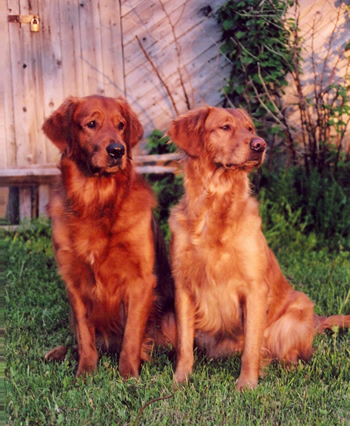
(323, 323)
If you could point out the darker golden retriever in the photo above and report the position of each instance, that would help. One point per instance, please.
(230, 294)
(107, 244)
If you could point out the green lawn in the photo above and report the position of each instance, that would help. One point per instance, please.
(37, 392)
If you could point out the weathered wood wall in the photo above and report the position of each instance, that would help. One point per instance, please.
(76, 52)
(136, 48)
(90, 46)
(325, 29)
(180, 38)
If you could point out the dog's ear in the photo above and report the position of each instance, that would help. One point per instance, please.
(134, 129)
(58, 127)
(187, 131)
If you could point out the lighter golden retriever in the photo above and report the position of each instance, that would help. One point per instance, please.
(108, 247)
(230, 294)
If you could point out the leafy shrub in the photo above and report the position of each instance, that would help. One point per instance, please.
(158, 143)
(315, 206)
(35, 235)
(256, 41)
(168, 187)
(262, 42)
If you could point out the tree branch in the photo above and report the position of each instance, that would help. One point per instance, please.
(178, 52)
(159, 76)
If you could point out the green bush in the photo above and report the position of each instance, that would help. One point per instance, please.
(256, 41)
(314, 207)
(168, 187)
(262, 42)
(35, 235)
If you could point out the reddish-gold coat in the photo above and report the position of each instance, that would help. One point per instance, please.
(230, 294)
(106, 243)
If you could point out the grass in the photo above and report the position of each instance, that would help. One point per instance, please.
(37, 392)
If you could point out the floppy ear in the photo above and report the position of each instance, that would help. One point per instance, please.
(58, 126)
(187, 131)
(134, 129)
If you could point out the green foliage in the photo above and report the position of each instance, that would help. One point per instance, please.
(169, 190)
(326, 124)
(298, 206)
(255, 38)
(264, 47)
(168, 187)
(36, 235)
(158, 143)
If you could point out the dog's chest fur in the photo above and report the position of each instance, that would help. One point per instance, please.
(216, 246)
(100, 234)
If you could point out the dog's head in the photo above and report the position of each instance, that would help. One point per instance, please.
(96, 132)
(226, 136)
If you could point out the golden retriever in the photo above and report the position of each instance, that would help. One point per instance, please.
(108, 247)
(230, 294)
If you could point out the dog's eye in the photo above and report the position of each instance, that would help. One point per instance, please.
(250, 128)
(91, 124)
(120, 126)
(226, 127)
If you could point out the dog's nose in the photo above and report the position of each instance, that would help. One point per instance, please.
(115, 150)
(258, 145)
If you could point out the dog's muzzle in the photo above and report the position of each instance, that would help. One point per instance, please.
(257, 145)
(115, 150)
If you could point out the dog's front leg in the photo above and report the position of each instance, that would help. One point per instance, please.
(85, 334)
(184, 310)
(254, 326)
(139, 302)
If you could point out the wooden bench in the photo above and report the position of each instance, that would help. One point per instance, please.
(41, 178)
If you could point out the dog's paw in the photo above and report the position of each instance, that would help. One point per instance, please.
(85, 368)
(127, 368)
(182, 375)
(246, 383)
(56, 354)
(87, 363)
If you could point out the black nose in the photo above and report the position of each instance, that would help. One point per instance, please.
(258, 145)
(115, 150)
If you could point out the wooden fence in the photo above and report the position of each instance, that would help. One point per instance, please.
(162, 55)
(142, 50)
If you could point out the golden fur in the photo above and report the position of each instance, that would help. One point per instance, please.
(107, 245)
(230, 294)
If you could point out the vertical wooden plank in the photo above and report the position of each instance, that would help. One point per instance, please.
(13, 78)
(44, 194)
(90, 38)
(35, 99)
(34, 86)
(112, 50)
(7, 144)
(72, 72)
(50, 57)
(4, 193)
(36, 52)
(26, 72)
(3, 158)
(25, 204)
